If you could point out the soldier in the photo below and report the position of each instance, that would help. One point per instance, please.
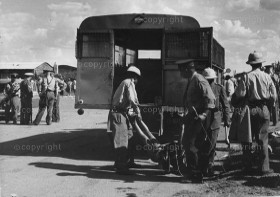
(199, 101)
(274, 107)
(12, 92)
(26, 100)
(222, 106)
(125, 98)
(261, 92)
(48, 91)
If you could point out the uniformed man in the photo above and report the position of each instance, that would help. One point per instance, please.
(61, 87)
(125, 98)
(12, 92)
(48, 91)
(222, 107)
(199, 101)
(26, 99)
(274, 107)
(261, 92)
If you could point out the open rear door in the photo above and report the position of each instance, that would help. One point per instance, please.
(178, 45)
(95, 69)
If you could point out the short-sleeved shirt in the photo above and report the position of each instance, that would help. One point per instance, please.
(199, 94)
(125, 96)
(261, 86)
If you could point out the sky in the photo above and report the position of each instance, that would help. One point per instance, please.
(45, 30)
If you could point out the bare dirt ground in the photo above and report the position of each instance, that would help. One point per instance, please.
(75, 158)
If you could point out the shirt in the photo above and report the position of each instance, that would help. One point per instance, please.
(229, 87)
(13, 88)
(261, 86)
(50, 84)
(26, 89)
(125, 96)
(199, 94)
(221, 104)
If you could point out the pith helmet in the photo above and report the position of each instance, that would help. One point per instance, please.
(135, 70)
(255, 58)
(209, 73)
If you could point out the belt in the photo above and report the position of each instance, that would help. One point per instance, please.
(50, 91)
(257, 103)
(118, 110)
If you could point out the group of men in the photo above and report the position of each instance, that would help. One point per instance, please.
(205, 102)
(19, 96)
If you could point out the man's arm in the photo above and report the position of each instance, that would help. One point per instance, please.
(225, 106)
(132, 98)
(208, 99)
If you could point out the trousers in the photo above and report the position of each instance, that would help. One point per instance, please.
(14, 105)
(46, 101)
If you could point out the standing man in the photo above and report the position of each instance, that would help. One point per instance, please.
(61, 87)
(48, 91)
(261, 92)
(12, 92)
(69, 86)
(124, 99)
(199, 101)
(222, 107)
(26, 99)
(274, 107)
(74, 84)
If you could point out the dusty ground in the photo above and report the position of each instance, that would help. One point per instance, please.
(74, 158)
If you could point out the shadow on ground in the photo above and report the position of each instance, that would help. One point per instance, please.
(79, 144)
(146, 173)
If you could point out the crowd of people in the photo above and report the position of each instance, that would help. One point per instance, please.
(19, 93)
(207, 104)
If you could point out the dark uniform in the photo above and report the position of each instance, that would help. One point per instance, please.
(222, 108)
(12, 92)
(275, 108)
(198, 96)
(26, 102)
(47, 92)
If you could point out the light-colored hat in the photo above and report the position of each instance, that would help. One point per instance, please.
(255, 58)
(189, 63)
(209, 73)
(28, 74)
(135, 70)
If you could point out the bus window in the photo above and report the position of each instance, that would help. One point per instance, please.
(149, 54)
(130, 56)
(96, 45)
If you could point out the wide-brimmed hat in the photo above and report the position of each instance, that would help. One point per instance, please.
(255, 58)
(28, 74)
(188, 63)
(209, 73)
(268, 66)
(135, 70)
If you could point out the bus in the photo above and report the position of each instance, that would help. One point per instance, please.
(106, 45)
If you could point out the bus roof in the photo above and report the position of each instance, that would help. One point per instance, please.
(138, 21)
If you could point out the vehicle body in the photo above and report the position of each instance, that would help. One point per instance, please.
(107, 44)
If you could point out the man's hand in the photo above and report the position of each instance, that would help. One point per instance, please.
(201, 117)
(139, 116)
(226, 124)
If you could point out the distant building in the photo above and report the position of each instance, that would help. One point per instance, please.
(6, 69)
(67, 71)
